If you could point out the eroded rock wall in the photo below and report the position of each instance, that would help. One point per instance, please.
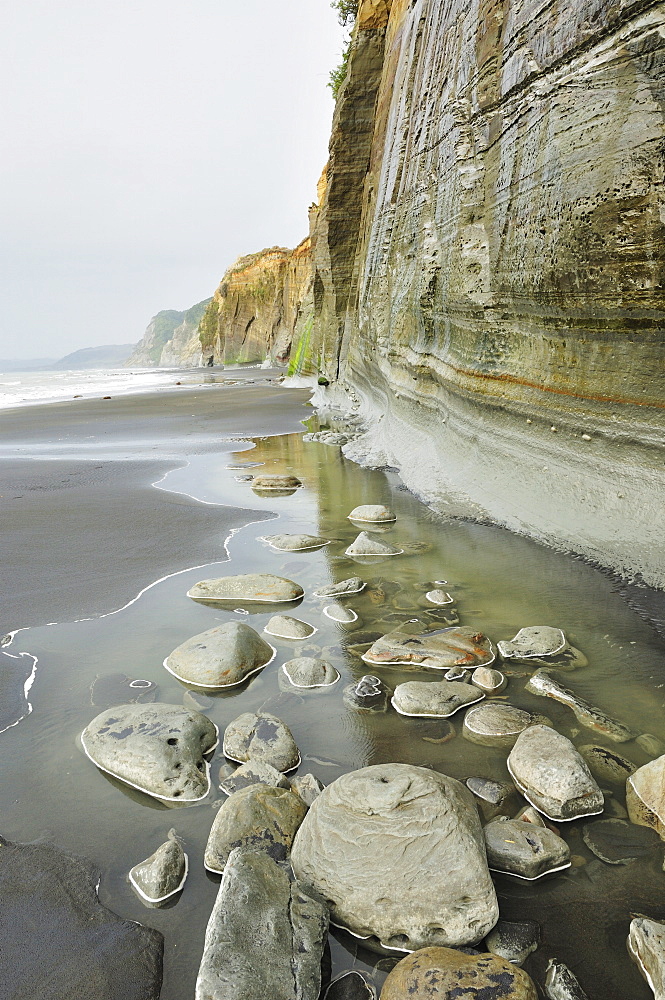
(488, 283)
(171, 339)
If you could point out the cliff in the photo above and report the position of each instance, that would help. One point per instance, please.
(171, 340)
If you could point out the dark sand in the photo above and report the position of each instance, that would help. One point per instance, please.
(83, 529)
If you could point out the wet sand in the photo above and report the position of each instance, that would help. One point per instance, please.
(83, 529)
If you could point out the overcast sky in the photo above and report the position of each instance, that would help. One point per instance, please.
(146, 145)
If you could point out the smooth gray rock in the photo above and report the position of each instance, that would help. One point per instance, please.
(59, 942)
(497, 724)
(261, 588)
(552, 776)
(561, 984)
(276, 483)
(261, 737)
(365, 545)
(493, 792)
(431, 885)
(523, 850)
(534, 641)
(158, 749)
(434, 699)
(254, 772)
(372, 512)
(542, 683)
(488, 680)
(606, 765)
(265, 936)
(645, 796)
(161, 875)
(286, 627)
(307, 787)
(454, 647)
(618, 842)
(257, 816)
(352, 985)
(295, 543)
(646, 946)
(369, 694)
(353, 585)
(221, 657)
(344, 616)
(514, 940)
(309, 672)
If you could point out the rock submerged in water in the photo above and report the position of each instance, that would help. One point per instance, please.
(365, 545)
(286, 627)
(261, 738)
(352, 985)
(454, 647)
(606, 765)
(354, 585)
(514, 940)
(417, 873)
(344, 616)
(552, 776)
(258, 588)
(295, 543)
(561, 984)
(372, 512)
(221, 657)
(275, 483)
(309, 672)
(531, 642)
(163, 874)
(497, 724)
(646, 946)
(442, 973)
(254, 772)
(258, 816)
(158, 749)
(490, 791)
(241, 961)
(434, 699)
(542, 683)
(438, 597)
(618, 842)
(520, 849)
(645, 796)
(369, 694)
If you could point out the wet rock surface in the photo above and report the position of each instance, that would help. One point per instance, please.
(262, 588)
(534, 642)
(461, 646)
(258, 816)
(514, 940)
(618, 842)
(307, 787)
(493, 792)
(523, 850)
(497, 724)
(265, 936)
(489, 681)
(436, 699)
(606, 765)
(352, 585)
(561, 983)
(309, 672)
(552, 775)
(286, 627)
(372, 512)
(544, 684)
(442, 973)
(221, 657)
(366, 545)
(261, 738)
(59, 941)
(295, 543)
(646, 946)
(369, 694)
(645, 796)
(276, 482)
(434, 886)
(254, 772)
(163, 874)
(345, 616)
(158, 749)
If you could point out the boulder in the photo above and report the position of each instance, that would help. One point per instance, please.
(442, 973)
(265, 936)
(552, 776)
(254, 772)
(606, 764)
(353, 585)
(618, 842)
(221, 657)
(439, 597)
(261, 588)
(161, 875)
(58, 941)
(645, 796)
(295, 543)
(336, 613)
(308, 672)
(453, 647)
(307, 787)
(542, 683)
(275, 483)
(496, 724)
(158, 749)
(488, 680)
(523, 850)
(365, 545)
(261, 738)
(369, 694)
(535, 641)
(434, 699)
(372, 512)
(286, 627)
(257, 816)
(417, 873)
(646, 945)
(561, 984)
(514, 940)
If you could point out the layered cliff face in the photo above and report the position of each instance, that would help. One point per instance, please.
(263, 302)
(171, 339)
(488, 263)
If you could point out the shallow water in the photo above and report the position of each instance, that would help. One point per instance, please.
(500, 583)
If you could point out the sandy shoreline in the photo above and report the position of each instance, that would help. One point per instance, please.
(83, 528)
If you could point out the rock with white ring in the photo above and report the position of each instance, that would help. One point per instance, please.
(434, 699)
(646, 945)
(161, 875)
(221, 657)
(497, 724)
(460, 646)
(261, 737)
(354, 585)
(157, 748)
(369, 694)
(439, 597)
(344, 616)
(286, 627)
(523, 850)
(309, 672)
(295, 543)
(255, 588)
(533, 641)
(372, 512)
(365, 545)
(552, 776)
(645, 796)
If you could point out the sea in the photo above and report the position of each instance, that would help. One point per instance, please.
(22, 388)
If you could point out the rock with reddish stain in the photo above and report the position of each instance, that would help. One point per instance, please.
(452, 647)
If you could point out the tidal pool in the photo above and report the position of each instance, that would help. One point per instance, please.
(499, 583)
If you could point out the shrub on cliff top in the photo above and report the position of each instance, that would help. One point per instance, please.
(347, 11)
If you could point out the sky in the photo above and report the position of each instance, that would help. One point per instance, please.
(146, 145)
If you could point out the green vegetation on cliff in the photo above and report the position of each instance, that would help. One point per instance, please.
(208, 325)
(347, 11)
